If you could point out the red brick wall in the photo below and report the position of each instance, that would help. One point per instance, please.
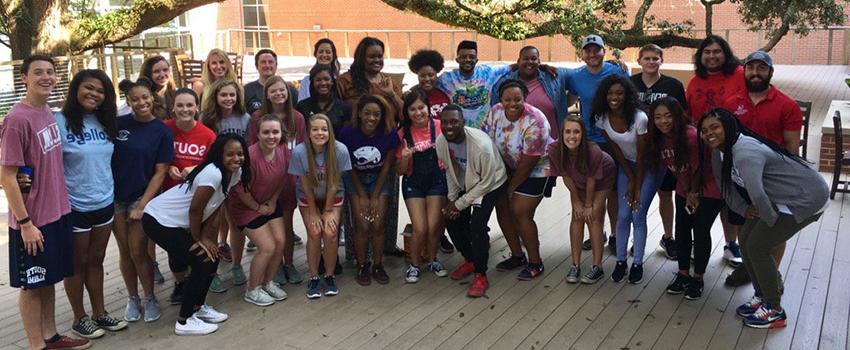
(827, 153)
(374, 14)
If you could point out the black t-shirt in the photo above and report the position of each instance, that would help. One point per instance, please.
(339, 114)
(666, 86)
(254, 95)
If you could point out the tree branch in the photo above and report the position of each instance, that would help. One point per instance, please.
(118, 25)
(637, 26)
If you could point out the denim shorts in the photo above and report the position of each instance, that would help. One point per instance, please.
(368, 180)
(126, 207)
(424, 187)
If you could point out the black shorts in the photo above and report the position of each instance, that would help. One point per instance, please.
(669, 183)
(85, 221)
(263, 219)
(734, 218)
(45, 268)
(537, 187)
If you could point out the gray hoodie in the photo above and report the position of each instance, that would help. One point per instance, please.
(771, 180)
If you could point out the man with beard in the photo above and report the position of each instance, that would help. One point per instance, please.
(474, 173)
(718, 75)
(469, 85)
(765, 110)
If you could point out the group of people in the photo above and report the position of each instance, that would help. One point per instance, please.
(189, 169)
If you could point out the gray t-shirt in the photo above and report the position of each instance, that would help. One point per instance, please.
(298, 166)
(236, 124)
(458, 152)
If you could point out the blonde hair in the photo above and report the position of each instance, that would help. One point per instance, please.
(207, 77)
(332, 173)
(288, 107)
(211, 114)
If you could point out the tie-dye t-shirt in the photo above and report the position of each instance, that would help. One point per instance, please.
(527, 135)
(473, 93)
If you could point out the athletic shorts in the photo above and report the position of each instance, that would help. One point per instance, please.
(537, 186)
(85, 221)
(263, 219)
(734, 218)
(45, 268)
(669, 183)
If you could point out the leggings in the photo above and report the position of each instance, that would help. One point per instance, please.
(177, 241)
(757, 240)
(694, 231)
(626, 218)
(469, 232)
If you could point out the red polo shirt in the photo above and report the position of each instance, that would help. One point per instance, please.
(704, 94)
(772, 116)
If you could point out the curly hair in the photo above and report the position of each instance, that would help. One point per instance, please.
(105, 113)
(424, 58)
(600, 108)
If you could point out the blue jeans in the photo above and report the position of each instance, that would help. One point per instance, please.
(626, 217)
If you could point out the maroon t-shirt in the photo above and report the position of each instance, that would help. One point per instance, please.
(267, 178)
(683, 175)
(600, 167)
(30, 137)
(437, 100)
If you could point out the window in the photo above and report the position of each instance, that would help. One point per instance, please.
(255, 25)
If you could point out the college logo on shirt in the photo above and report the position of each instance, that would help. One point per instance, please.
(189, 149)
(49, 138)
(367, 156)
(123, 135)
(88, 135)
(741, 110)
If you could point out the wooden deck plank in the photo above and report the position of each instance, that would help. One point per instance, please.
(835, 324)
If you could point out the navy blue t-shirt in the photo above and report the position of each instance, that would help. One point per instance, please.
(138, 148)
(368, 154)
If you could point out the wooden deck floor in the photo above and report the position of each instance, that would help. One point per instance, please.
(543, 314)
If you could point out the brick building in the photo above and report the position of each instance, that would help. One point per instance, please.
(241, 25)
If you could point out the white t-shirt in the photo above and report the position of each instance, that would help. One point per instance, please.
(171, 208)
(627, 141)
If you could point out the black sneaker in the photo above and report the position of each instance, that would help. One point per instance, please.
(694, 290)
(738, 277)
(176, 297)
(593, 276)
(446, 246)
(636, 274)
(512, 263)
(669, 246)
(619, 272)
(612, 245)
(587, 245)
(680, 283)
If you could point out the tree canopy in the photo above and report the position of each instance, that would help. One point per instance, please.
(521, 19)
(59, 27)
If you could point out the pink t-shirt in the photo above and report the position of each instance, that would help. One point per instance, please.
(537, 97)
(683, 175)
(267, 177)
(421, 141)
(30, 137)
(600, 167)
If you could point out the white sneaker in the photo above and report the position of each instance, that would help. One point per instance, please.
(274, 291)
(258, 297)
(210, 315)
(194, 326)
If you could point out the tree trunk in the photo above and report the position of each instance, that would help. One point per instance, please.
(42, 18)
